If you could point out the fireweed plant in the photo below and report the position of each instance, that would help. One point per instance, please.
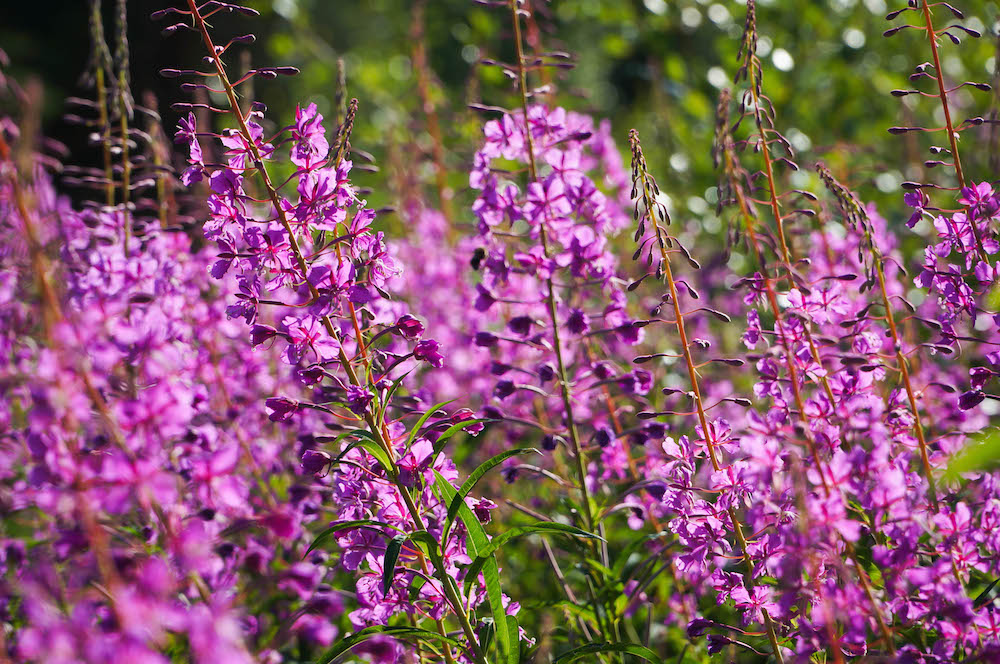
(224, 426)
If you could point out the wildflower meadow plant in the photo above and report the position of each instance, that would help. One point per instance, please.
(543, 416)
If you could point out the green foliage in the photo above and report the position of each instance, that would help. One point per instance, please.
(403, 633)
(982, 453)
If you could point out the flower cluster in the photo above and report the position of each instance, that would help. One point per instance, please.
(551, 310)
(132, 445)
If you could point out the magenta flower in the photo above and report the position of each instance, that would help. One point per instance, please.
(917, 200)
(409, 327)
(427, 350)
(359, 399)
(311, 145)
(980, 200)
(308, 334)
(187, 132)
(314, 461)
(546, 202)
(281, 409)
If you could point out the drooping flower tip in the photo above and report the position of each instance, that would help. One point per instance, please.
(314, 461)
(409, 327)
(428, 351)
(281, 409)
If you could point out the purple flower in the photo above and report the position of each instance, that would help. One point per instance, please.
(754, 602)
(311, 145)
(261, 333)
(305, 334)
(280, 409)
(187, 132)
(520, 325)
(484, 298)
(971, 399)
(359, 399)
(486, 339)
(578, 323)
(504, 389)
(638, 381)
(314, 461)
(409, 327)
(917, 200)
(980, 200)
(482, 508)
(603, 436)
(547, 201)
(752, 334)
(428, 351)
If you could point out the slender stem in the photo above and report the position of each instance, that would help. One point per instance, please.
(567, 398)
(754, 86)
(820, 466)
(126, 163)
(904, 371)
(780, 224)
(648, 200)
(101, 60)
(102, 118)
(422, 70)
(949, 125)
(51, 314)
(943, 94)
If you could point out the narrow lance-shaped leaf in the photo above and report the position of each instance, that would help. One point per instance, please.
(470, 483)
(415, 431)
(594, 648)
(389, 562)
(478, 541)
(412, 634)
(341, 526)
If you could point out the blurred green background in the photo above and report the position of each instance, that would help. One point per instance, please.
(656, 65)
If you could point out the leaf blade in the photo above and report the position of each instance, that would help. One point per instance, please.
(594, 648)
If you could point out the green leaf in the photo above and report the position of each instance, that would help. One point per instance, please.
(486, 634)
(361, 433)
(365, 440)
(453, 429)
(599, 568)
(575, 609)
(982, 453)
(376, 451)
(389, 562)
(514, 636)
(540, 527)
(415, 431)
(627, 648)
(471, 482)
(477, 541)
(472, 572)
(339, 526)
(413, 634)
(395, 385)
(985, 595)
(428, 539)
(622, 560)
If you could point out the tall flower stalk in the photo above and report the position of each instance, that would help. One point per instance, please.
(654, 213)
(562, 375)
